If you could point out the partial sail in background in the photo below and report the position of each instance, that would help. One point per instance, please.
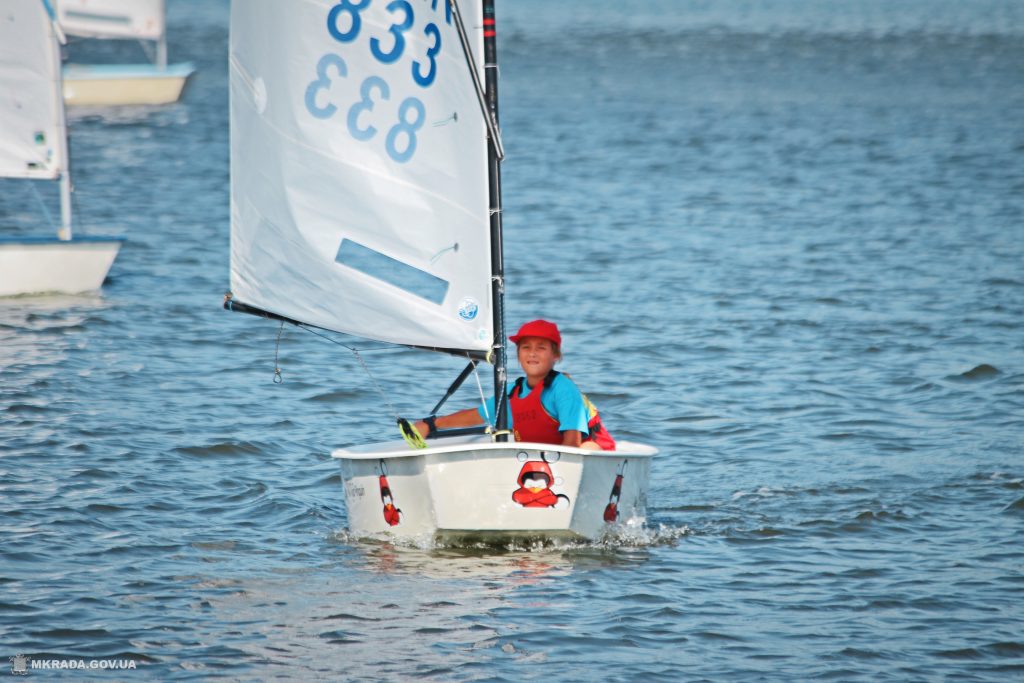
(33, 145)
(32, 140)
(152, 82)
(127, 19)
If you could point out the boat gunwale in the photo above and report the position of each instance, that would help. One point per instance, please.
(399, 449)
(102, 72)
(34, 241)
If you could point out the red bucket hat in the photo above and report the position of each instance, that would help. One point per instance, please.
(538, 328)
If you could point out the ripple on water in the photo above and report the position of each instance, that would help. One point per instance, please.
(1016, 507)
(978, 373)
(223, 449)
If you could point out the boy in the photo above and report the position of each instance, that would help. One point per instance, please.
(545, 405)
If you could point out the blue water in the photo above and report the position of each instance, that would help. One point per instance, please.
(785, 243)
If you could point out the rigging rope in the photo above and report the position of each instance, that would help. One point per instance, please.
(359, 358)
(483, 401)
(42, 205)
(492, 124)
(366, 369)
(278, 379)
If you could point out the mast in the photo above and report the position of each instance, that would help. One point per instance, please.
(161, 52)
(161, 44)
(65, 206)
(65, 175)
(62, 143)
(494, 192)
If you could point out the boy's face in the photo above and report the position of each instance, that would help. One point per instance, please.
(537, 356)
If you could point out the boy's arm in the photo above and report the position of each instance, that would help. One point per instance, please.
(571, 437)
(571, 411)
(469, 417)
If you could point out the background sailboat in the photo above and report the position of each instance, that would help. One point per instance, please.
(33, 145)
(155, 82)
(366, 200)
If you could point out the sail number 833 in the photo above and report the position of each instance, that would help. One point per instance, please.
(344, 24)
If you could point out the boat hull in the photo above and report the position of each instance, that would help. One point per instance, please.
(474, 488)
(124, 84)
(51, 265)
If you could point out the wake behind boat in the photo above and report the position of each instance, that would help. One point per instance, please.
(33, 146)
(366, 199)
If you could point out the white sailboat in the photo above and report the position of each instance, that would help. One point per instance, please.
(33, 145)
(365, 199)
(154, 82)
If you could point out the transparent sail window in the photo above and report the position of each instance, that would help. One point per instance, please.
(392, 271)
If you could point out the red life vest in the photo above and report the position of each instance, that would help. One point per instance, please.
(533, 423)
(529, 418)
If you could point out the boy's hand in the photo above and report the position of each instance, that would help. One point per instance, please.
(411, 434)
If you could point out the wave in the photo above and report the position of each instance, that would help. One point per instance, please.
(977, 373)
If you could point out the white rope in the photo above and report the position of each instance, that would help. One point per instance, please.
(278, 379)
(42, 205)
(366, 369)
(483, 401)
(355, 352)
(492, 125)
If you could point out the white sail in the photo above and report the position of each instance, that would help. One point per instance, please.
(135, 19)
(33, 144)
(359, 182)
(32, 139)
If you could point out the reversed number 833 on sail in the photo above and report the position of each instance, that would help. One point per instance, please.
(362, 115)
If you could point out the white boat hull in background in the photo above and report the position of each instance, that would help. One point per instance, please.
(126, 84)
(467, 487)
(51, 265)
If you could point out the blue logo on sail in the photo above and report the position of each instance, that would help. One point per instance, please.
(468, 309)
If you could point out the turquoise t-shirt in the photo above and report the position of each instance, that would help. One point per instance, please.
(562, 401)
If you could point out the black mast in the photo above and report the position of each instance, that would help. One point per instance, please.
(497, 258)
